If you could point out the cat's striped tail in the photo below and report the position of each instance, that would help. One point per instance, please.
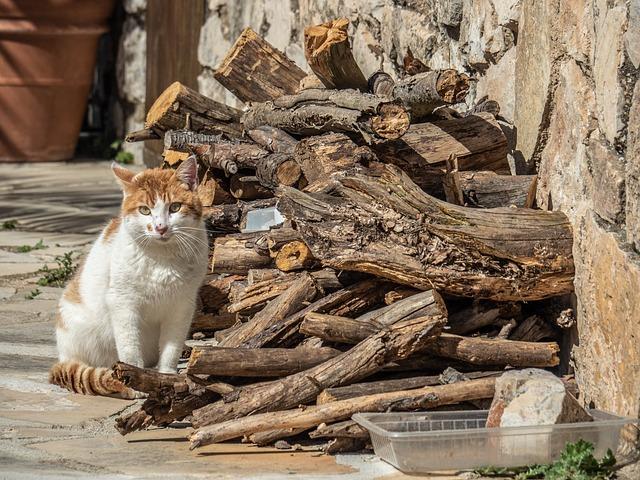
(81, 378)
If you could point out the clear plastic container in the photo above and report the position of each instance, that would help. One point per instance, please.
(425, 442)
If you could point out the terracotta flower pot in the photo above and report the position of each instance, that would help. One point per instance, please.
(47, 58)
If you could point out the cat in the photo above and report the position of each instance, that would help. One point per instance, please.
(134, 297)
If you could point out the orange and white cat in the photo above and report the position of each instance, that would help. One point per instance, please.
(134, 298)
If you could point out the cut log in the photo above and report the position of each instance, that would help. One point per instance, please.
(397, 342)
(333, 328)
(248, 187)
(493, 352)
(255, 71)
(381, 83)
(289, 302)
(211, 192)
(256, 362)
(399, 293)
(328, 53)
(378, 221)
(489, 190)
(317, 111)
(237, 254)
(382, 386)
(181, 140)
(145, 380)
(424, 92)
(278, 169)
(422, 398)
(346, 445)
(180, 107)
(208, 322)
(350, 300)
(273, 139)
(294, 256)
(173, 158)
(214, 293)
(258, 275)
(322, 155)
(477, 141)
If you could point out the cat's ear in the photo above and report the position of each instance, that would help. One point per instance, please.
(187, 172)
(123, 175)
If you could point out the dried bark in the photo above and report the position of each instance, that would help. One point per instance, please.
(480, 315)
(346, 429)
(237, 254)
(328, 53)
(533, 329)
(423, 398)
(255, 71)
(289, 302)
(315, 111)
(381, 83)
(209, 322)
(424, 92)
(258, 362)
(378, 221)
(273, 139)
(489, 190)
(180, 107)
(248, 187)
(397, 342)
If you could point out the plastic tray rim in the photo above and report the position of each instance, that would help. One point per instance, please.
(362, 419)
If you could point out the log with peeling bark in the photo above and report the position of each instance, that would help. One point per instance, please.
(181, 140)
(396, 342)
(473, 350)
(273, 139)
(424, 92)
(180, 107)
(382, 386)
(142, 135)
(350, 300)
(322, 155)
(255, 71)
(237, 253)
(378, 221)
(490, 190)
(421, 398)
(256, 362)
(269, 437)
(328, 53)
(287, 303)
(477, 141)
(315, 111)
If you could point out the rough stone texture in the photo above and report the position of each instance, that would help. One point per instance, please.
(633, 171)
(533, 397)
(131, 73)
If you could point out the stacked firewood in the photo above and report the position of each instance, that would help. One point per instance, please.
(393, 282)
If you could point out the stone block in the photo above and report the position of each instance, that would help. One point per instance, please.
(633, 171)
(533, 397)
(608, 172)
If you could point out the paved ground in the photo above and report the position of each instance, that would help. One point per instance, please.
(46, 432)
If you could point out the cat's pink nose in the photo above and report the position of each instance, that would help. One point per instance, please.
(161, 228)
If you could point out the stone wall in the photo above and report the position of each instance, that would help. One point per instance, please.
(565, 73)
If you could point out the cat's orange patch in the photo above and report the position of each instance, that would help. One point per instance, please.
(72, 292)
(157, 184)
(60, 321)
(111, 228)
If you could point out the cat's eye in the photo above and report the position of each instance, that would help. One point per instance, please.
(144, 210)
(174, 207)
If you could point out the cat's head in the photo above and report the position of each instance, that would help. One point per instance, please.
(160, 206)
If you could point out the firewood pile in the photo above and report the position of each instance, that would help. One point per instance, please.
(408, 271)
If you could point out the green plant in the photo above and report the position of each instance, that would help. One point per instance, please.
(120, 155)
(27, 248)
(58, 276)
(33, 294)
(576, 462)
(9, 225)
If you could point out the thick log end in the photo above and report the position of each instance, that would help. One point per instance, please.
(453, 86)
(391, 122)
(163, 103)
(294, 255)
